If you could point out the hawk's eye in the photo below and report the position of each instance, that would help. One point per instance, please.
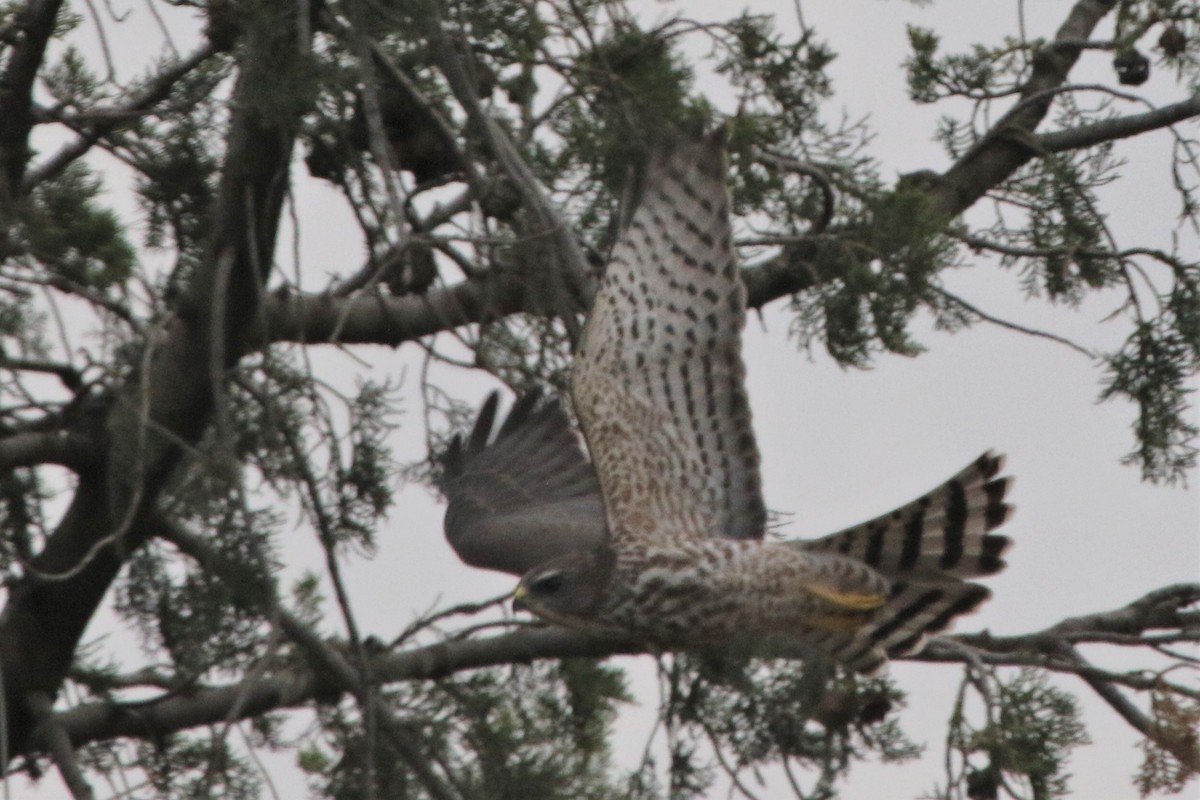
(547, 584)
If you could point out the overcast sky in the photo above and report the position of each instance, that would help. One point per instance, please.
(842, 446)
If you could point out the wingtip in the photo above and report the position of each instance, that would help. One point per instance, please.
(527, 404)
(482, 431)
(450, 461)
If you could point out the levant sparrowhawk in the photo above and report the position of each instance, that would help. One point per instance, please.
(660, 536)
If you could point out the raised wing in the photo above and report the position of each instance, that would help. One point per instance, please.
(524, 497)
(658, 381)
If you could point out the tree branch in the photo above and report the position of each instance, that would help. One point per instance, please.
(1008, 145)
(65, 448)
(295, 688)
(1119, 127)
(36, 24)
(390, 320)
(151, 95)
(60, 747)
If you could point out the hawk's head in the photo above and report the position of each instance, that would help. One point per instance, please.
(567, 590)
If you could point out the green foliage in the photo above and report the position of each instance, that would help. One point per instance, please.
(636, 93)
(537, 731)
(72, 82)
(22, 498)
(931, 77)
(343, 481)
(754, 713)
(176, 161)
(75, 238)
(1152, 370)
(191, 616)
(782, 76)
(880, 274)
(196, 767)
(1027, 737)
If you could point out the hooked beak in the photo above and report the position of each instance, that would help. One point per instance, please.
(518, 601)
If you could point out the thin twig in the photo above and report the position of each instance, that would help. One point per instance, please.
(1013, 326)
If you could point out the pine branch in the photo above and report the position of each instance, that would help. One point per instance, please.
(151, 95)
(1008, 144)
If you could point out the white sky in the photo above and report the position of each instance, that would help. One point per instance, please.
(839, 447)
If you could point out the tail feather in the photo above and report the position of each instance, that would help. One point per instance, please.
(925, 549)
(913, 612)
(945, 532)
(919, 609)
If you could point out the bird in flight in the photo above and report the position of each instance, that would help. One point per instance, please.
(659, 535)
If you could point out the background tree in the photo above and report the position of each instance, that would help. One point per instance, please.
(171, 422)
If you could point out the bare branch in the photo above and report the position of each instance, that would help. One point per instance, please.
(1119, 127)
(65, 448)
(66, 373)
(390, 320)
(1013, 326)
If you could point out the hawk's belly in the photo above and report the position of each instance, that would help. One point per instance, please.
(719, 591)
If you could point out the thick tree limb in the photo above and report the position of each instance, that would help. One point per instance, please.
(385, 319)
(60, 748)
(65, 448)
(35, 25)
(1007, 146)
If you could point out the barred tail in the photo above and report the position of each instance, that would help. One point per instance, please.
(913, 611)
(944, 533)
(925, 548)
